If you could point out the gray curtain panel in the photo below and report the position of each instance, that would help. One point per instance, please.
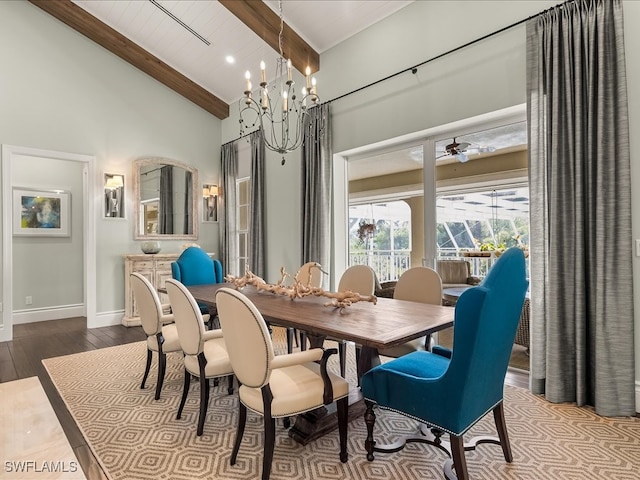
(581, 241)
(228, 221)
(317, 158)
(257, 261)
(165, 203)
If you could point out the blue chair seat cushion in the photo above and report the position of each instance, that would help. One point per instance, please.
(395, 384)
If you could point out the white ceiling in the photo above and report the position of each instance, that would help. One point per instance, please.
(177, 32)
(322, 24)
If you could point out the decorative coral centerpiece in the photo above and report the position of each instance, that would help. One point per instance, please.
(297, 289)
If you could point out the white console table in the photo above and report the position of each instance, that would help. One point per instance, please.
(156, 268)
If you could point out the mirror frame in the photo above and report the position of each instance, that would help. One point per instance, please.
(195, 200)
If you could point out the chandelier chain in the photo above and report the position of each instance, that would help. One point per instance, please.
(279, 112)
(281, 29)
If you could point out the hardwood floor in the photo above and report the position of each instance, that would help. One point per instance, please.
(32, 342)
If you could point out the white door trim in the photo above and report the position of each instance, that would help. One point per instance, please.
(90, 213)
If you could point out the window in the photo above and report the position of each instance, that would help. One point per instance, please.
(487, 219)
(380, 236)
(243, 196)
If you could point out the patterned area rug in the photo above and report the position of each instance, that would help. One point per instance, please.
(134, 437)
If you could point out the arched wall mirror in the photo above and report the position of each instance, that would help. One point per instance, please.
(166, 199)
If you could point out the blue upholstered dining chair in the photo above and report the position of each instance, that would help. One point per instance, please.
(194, 266)
(450, 395)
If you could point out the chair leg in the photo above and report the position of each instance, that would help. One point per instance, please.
(342, 353)
(185, 391)
(147, 368)
(289, 340)
(343, 425)
(162, 367)
(269, 445)
(358, 352)
(457, 453)
(303, 341)
(204, 403)
(242, 420)
(501, 427)
(369, 420)
(230, 380)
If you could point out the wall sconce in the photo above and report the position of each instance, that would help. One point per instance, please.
(113, 195)
(210, 203)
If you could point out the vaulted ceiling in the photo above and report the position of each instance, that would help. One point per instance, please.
(186, 44)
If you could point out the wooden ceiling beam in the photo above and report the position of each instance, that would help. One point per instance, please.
(105, 36)
(265, 23)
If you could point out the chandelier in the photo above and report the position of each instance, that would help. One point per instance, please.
(275, 106)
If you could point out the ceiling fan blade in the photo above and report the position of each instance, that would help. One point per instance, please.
(462, 158)
(463, 146)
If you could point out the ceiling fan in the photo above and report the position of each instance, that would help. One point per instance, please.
(457, 150)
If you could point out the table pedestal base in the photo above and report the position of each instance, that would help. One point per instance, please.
(316, 423)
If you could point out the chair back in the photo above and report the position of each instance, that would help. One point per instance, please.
(194, 266)
(148, 304)
(247, 337)
(187, 316)
(454, 271)
(359, 279)
(310, 274)
(485, 323)
(419, 284)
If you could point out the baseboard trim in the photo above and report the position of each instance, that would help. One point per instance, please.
(106, 319)
(48, 313)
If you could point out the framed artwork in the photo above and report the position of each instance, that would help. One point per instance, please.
(41, 213)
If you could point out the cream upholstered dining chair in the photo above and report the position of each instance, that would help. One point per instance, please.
(359, 279)
(275, 386)
(162, 336)
(309, 275)
(205, 351)
(418, 284)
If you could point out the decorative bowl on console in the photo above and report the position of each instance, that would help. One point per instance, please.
(150, 247)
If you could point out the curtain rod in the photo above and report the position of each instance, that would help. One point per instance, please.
(414, 69)
(239, 138)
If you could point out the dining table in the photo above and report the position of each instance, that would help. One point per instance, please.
(372, 326)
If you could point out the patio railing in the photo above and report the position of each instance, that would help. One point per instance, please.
(388, 264)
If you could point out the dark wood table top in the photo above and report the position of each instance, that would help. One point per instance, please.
(385, 324)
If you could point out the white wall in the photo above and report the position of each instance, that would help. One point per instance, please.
(485, 77)
(60, 91)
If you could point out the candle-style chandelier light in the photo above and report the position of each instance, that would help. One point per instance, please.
(280, 113)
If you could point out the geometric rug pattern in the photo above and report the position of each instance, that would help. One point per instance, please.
(136, 437)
